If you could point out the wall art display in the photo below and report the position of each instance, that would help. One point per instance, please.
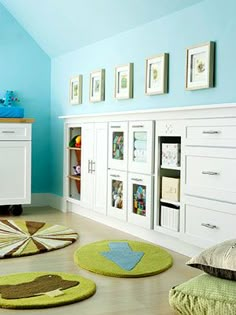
(76, 90)
(97, 86)
(200, 66)
(124, 81)
(156, 81)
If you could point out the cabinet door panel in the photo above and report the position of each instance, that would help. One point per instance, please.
(99, 167)
(118, 145)
(15, 172)
(141, 146)
(87, 180)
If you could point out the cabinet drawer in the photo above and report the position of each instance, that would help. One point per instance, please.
(209, 225)
(15, 132)
(211, 173)
(219, 132)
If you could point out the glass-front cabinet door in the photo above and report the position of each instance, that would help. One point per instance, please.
(117, 194)
(141, 147)
(117, 154)
(140, 195)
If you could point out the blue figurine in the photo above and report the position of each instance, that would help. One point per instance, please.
(9, 99)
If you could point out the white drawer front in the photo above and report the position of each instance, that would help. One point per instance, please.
(221, 132)
(209, 225)
(211, 176)
(15, 132)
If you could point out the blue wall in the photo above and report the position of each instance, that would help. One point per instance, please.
(211, 20)
(25, 68)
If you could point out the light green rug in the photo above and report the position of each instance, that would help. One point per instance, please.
(21, 238)
(124, 259)
(43, 289)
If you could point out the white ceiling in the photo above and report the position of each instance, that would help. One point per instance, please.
(60, 26)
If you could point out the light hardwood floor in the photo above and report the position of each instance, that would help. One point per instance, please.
(114, 296)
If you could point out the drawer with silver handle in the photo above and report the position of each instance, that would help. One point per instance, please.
(209, 225)
(15, 132)
(211, 173)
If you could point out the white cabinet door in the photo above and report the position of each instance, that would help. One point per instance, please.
(15, 172)
(117, 194)
(141, 145)
(99, 167)
(118, 145)
(94, 166)
(87, 180)
(140, 200)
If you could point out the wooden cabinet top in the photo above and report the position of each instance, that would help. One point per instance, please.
(16, 120)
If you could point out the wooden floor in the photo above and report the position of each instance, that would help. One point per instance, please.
(114, 296)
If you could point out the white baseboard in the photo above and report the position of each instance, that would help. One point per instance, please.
(51, 200)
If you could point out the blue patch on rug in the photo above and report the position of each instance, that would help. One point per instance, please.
(122, 255)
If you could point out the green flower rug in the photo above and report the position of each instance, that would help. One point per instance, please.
(42, 290)
(20, 238)
(122, 258)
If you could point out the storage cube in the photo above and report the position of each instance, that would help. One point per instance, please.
(171, 188)
(170, 218)
(170, 154)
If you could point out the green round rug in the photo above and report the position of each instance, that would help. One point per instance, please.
(21, 238)
(43, 289)
(123, 258)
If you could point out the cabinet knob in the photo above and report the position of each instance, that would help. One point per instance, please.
(209, 226)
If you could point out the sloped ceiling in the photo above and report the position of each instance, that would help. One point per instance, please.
(60, 26)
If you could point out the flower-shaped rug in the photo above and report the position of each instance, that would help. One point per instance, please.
(123, 258)
(42, 289)
(20, 238)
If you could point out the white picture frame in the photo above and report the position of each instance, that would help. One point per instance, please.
(124, 81)
(200, 66)
(75, 90)
(97, 86)
(156, 78)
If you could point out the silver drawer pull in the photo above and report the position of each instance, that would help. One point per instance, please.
(211, 132)
(137, 126)
(112, 175)
(89, 166)
(137, 179)
(209, 226)
(210, 173)
(8, 131)
(115, 127)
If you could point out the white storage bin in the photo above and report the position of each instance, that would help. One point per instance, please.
(170, 218)
(170, 154)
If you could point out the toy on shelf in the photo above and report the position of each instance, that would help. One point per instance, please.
(77, 170)
(75, 142)
(9, 99)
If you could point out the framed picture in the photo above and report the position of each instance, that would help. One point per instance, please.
(97, 86)
(156, 81)
(200, 66)
(76, 90)
(124, 81)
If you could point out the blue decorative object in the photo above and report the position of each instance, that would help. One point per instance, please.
(9, 99)
(122, 255)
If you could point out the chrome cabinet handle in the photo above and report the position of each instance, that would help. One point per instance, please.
(8, 131)
(137, 179)
(137, 126)
(209, 226)
(210, 173)
(211, 132)
(89, 166)
(92, 167)
(115, 127)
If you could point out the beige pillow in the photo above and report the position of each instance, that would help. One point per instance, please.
(218, 260)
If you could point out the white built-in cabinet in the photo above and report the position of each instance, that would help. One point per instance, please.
(15, 165)
(126, 175)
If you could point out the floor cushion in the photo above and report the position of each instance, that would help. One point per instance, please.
(204, 295)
